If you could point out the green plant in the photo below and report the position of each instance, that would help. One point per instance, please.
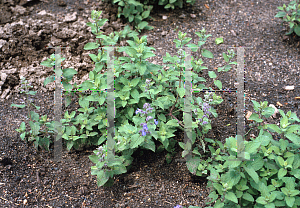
(134, 88)
(292, 18)
(34, 133)
(269, 177)
(137, 82)
(137, 11)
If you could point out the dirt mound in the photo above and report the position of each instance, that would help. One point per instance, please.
(28, 30)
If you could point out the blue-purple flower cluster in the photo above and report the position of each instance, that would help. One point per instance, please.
(147, 84)
(148, 109)
(101, 159)
(205, 108)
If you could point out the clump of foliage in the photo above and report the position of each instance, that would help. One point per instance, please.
(148, 102)
(291, 14)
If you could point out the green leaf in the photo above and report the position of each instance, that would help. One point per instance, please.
(207, 54)
(102, 178)
(131, 17)
(261, 200)
(167, 6)
(136, 140)
(212, 74)
(293, 137)
(149, 144)
(172, 122)
(255, 117)
(22, 136)
(91, 75)
(249, 169)
(248, 197)
(162, 117)
(142, 70)
(135, 94)
(218, 83)
(34, 116)
(94, 57)
(47, 63)
(297, 29)
(49, 79)
(134, 82)
(273, 128)
(284, 122)
(18, 106)
(145, 14)
(280, 8)
(91, 46)
(225, 57)
(281, 173)
(232, 164)
(142, 25)
(131, 111)
(147, 55)
(219, 41)
(231, 196)
(181, 91)
(218, 187)
(290, 200)
(280, 14)
(124, 103)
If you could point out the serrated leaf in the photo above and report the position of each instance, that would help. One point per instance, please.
(49, 79)
(162, 117)
(207, 54)
(248, 197)
(181, 91)
(231, 196)
(281, 173)
(252, 173)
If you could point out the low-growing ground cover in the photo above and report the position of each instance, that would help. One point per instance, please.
(169, 184)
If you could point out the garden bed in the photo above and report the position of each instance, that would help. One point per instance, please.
(29, 178)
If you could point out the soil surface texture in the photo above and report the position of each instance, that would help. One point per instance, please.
(31, 178)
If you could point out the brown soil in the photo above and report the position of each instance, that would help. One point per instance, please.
(32, 179)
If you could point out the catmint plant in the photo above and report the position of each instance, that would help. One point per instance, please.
(35, 133)
(291, 15)
(148, 110)
(156, 95)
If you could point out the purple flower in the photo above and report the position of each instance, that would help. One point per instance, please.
(204, 122)
(139, 111)
(148, 118)
(146, 105)
(155, 121)
(178, 206)
(145, 127)
(144, 133)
